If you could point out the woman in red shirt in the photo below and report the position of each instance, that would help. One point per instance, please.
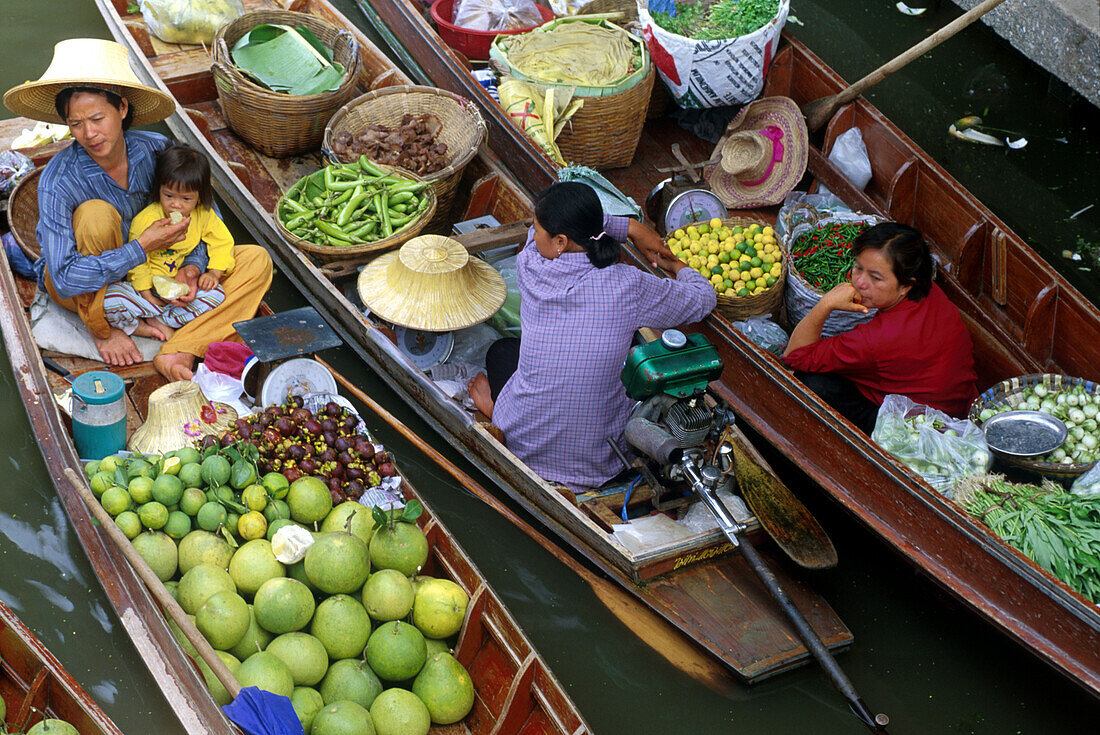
(916, 345)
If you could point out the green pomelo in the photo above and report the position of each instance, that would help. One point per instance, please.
(191, 475)
(435, 646)
(210, 516)
(255, 497)
(189, 455)
(445, 687)
(52, 726)
(396, 651)
(274, 526)
(232, 521)
(309, 500)
(140, 489)
(192, 501)
(400, 712)
(253, 564)
(159, 552)
(153, 515)
(266, 671)
(177, 633)
(101, 481)
(115, 500)
(130, 524)
(215, 470)
(213, 684)
(110, 464)
(223, 619)
(178, 525)
(403, 547)
(276, 510)
(343, 718)
(350, 679)
(439, 608)
(139, 468)
(306, 702)
(283, 605)
(361, 525)
(168, 489)
(342, 626)
(172, 585)
(338, 563)
(388, 595)
(276, 484)
(255, 638)
(242, 474)
(199, 583)
(223, 494)
(297, 571)
(202, 546)
(90, 469)
(303, 654)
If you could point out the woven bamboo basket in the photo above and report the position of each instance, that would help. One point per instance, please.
(605, 132)
(367, 250)
(281, 125)
(23, 214)
(768, 301)
(463, 131)
(659, 98)
(999, 395)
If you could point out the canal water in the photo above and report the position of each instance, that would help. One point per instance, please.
(918, 656)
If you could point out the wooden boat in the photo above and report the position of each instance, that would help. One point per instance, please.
(34, 684)
(697, 585)
(1023, 317)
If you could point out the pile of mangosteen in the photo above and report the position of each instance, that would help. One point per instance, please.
(296, 442)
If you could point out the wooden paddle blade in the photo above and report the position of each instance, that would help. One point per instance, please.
(783, 516)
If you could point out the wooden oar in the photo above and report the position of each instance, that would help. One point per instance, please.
(654, 630)
(820, 111)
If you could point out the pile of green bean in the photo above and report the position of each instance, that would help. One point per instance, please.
(352, 203)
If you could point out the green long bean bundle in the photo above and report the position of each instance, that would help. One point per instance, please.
(1057, 530)
(717, 22)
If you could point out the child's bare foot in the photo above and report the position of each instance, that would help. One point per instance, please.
(154, 328)
(481, 395)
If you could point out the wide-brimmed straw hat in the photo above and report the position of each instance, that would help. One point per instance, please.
(763, 154)
(432, 284)
(88, 62)
(179, 414)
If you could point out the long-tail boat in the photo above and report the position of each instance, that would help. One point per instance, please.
(698, 584)
(1023, 317)
(34, 685)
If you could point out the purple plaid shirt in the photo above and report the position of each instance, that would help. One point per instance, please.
(565, 399)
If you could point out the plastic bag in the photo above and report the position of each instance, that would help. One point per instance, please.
(222, 388)
(941, 449)
(764, 333)
(849, 155)
(13, 167)
(1088, 484)
(496, 15)
(188, 21)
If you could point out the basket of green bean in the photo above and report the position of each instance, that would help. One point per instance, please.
(353, 211)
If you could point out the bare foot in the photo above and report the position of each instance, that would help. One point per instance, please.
(481, 395)
(175, 365)
(154, 328)
(118, 349)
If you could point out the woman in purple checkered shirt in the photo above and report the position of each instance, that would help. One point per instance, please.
(556, 394)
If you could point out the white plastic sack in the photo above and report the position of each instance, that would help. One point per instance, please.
(222, 388)
(764, 333)
(188, 21)
(60, 330)
(941, 449)
(496, 15)
(849, 155)
(1088, 484)
(702, 74)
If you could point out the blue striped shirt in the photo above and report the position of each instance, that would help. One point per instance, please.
(72, 178)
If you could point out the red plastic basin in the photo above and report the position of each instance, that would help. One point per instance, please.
(473, 44)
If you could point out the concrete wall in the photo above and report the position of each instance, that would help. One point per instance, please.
(1062, 36)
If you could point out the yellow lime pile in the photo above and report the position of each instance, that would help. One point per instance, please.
(738, 261)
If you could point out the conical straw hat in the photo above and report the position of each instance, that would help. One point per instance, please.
(179, 414)
(88, 62)
(432, 284)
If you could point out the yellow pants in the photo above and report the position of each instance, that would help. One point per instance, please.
(98, 228)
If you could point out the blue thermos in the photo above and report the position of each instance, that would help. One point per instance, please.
(99, 414)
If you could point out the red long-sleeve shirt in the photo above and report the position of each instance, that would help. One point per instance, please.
(919, 349)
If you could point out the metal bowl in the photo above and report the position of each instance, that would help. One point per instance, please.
(1024, 433)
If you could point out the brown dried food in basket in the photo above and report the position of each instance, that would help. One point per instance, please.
(413, 145)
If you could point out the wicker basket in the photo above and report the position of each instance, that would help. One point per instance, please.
(463, 131)
(23, 214)
(605, 132)
(998, 395)
(276, 124)
(768, 301)
(367, 250)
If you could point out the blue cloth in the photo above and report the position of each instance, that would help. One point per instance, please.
(662, 6)
(260, 712)
(20, 264)
(72, 178)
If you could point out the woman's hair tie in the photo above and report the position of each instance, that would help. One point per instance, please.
(597, 237)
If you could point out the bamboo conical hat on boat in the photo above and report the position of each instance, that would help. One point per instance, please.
(178, 415)
(432, 284)
(88, 62)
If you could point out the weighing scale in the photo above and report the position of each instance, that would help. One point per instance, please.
(278, 337)
(677, 202)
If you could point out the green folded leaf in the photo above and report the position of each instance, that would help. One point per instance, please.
(283, 60)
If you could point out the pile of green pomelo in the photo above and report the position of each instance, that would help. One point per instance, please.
(357, 639)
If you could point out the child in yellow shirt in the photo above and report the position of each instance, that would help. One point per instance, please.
(181, 187)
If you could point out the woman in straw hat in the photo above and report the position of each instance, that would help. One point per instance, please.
(579, 311)
(89, 192)
(916, 345)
